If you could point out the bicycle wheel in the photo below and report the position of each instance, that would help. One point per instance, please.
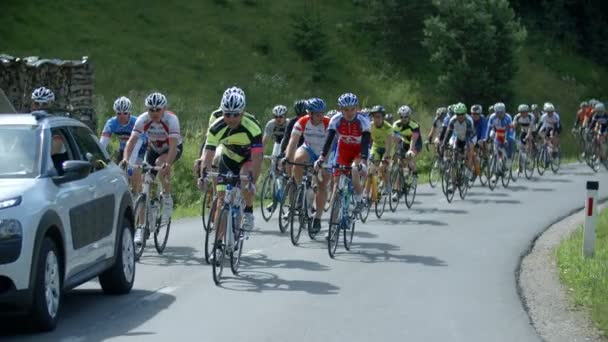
(210, 233)
(541, 162)
(298, 213)
(267, 197)
(161, 233)
(141, 222)
(483, 171)
(492, 173)
(335, 222)
(219, 251)
(450, 189)
(556, 161)
(435, 174)
(330, 187)
(285, 206)
(348, 235)
(506, 173)
(396, 190)
(204, 203)
(410, 192)
(364, 214)
(529, 166)
(380, 204)
(463, 184)
(239, 241)
(517, 163)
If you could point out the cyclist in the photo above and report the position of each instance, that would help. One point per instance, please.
(331, 113)
(313, 127)
(408, 133)
(242, 152)
(299, 107)
(599, 123)
(462, 126)
(501, 125)
(526, 122)
(436, 126)
(389, 118)
(382, 134)
(353, 133)
(480, 124)
(550, 125)
(162, 130)
(122, 125)
(581, 115)
(275, 129)
(42, 98)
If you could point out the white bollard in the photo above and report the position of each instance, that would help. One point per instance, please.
(590, 219)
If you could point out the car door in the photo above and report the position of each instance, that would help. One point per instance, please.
(71, 200)
(107, 182)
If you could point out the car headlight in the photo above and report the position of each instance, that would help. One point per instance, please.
(10, 229)
(10, 202)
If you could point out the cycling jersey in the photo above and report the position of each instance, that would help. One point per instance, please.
(158, 133)
(548, 123)
(525, 123)
(601, 121)
(407, 131)
(275, 131)
(353, 138)
(287, 134)
(463, 131)
(503, 127)
(380, 134)
(480, 126)
(123, 132)
(314, 136)
(219, 114)
(238, 143)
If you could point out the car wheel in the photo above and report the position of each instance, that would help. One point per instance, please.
(47, 288)
(119, 278)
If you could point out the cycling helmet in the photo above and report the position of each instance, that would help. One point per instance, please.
(377, 109)
(441, 111)
(491, 109)
(599, 107)
(279, 110)
(460, 109)
(523, 108)
(584, 104)
(155, 100)
(232, 102)
(534, 107)
(404, 111)
(315, 105)
(122, 105)
(476, 109)
(348, 100)
(299, 107)
(500, 107)
(43, 95)
(593, 102)
(331, 113)
(235, 90)
(548, 107)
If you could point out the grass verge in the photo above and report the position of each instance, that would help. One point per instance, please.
(587, 279)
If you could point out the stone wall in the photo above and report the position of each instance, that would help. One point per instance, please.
(72, 81)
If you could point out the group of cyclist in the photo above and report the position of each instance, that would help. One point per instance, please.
(592, 124)
(346, 136)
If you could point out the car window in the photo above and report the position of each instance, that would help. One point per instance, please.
(61, 150)
(19, 150)
(89, 149)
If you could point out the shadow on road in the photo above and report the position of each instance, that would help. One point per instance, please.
(489, 194)
(262, 261)
(553, 180)
(542, 189)
(442, 211)
(258, 281)
(173, 256)
(89, 315)
(426, 194)
(518, 188)
(505, 201)
(375, 252)
(390, 221)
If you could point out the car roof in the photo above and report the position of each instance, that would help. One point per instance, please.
(39, 118)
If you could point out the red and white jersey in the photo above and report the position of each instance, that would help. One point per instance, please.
(159, 132)
(350, 132)
(314, 136)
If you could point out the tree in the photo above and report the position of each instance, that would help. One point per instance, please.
(474, 42)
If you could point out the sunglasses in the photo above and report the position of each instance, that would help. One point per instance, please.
(154, 110)
(125, 113)
(280, 116)
(232, 115)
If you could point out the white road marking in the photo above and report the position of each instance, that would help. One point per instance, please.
(158, 294)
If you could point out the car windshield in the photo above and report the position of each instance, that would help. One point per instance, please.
(20, 150)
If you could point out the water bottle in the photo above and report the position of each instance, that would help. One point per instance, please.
(130, 172)
(152, 212)
(310, 195)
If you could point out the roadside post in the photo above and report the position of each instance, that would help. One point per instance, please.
(590, 219)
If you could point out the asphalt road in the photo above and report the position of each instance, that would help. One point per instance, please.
(436, 272)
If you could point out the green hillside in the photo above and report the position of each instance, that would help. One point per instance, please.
(193, 50)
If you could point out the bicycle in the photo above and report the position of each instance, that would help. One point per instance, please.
(498, 168)
(209, 202)
(436, 169)
(233, 238)
(148, 208)
(273, 190)
(378, 193)
(302, 204)
(341, 217)
(546, 158)
(455, 176)
(408, 184)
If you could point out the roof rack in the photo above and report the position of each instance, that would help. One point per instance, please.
(41, 114)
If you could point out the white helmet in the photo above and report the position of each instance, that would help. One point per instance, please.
(43, 95)
(548, 107)
(500, 108)
(523, 108)
(232, 102)
(122, 105)
(331, 113)
(279, 110)
(235, 90)
(155, 100)
(404, 111)
(599, 107)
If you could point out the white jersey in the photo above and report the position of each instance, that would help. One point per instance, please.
(526, 124)
(462, 130)
(547, 122)
(159, 132)
(314, 136)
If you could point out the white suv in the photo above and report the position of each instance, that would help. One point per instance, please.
(66, 216)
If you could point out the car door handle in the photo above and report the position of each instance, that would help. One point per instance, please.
(92, 188)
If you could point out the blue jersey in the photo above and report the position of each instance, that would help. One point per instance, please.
(481, 127)
(122, 131)
(503, 127)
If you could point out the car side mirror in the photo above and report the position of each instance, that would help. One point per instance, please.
(73, 170)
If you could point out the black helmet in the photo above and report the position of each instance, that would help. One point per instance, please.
(300, 107)
(377, 109)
